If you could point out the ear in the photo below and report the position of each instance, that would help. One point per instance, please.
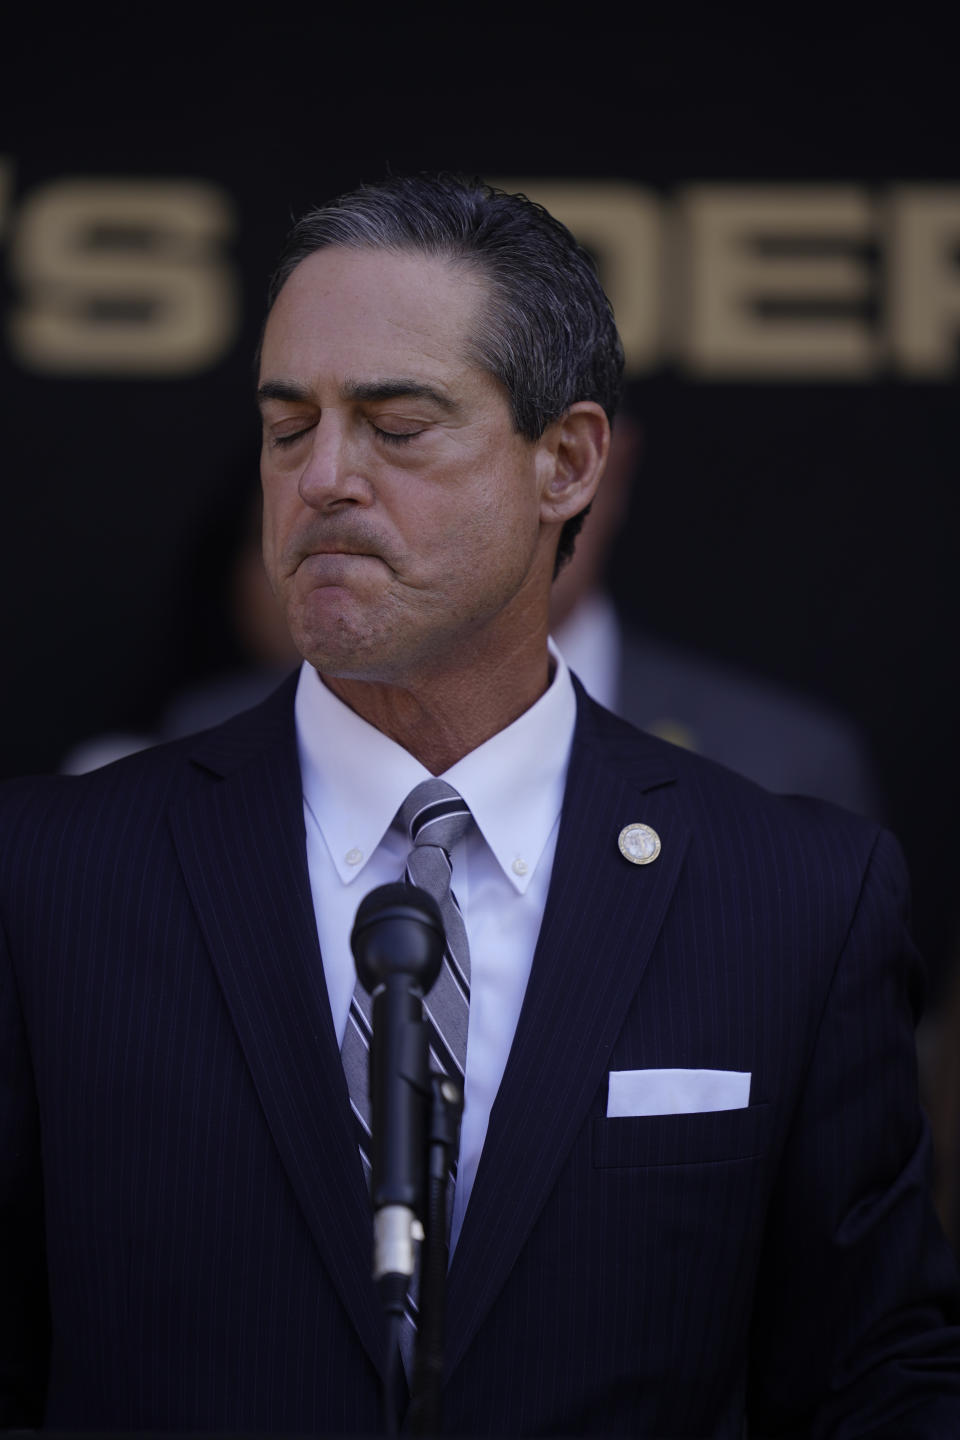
(573, 453)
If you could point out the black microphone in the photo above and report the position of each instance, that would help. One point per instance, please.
(398, 943)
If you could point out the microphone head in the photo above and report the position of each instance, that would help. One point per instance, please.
(398, 930)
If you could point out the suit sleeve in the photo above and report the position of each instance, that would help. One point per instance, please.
(24, 1311)
(856, 1330)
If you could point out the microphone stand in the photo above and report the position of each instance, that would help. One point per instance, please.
(398, 943)
(443, 1135)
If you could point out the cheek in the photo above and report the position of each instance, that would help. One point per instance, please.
(493, 547)
(280, 505)
(512, 520)
(272, 537)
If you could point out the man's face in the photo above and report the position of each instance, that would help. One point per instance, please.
(402, 510)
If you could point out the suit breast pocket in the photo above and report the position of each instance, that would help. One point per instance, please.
(649, 1140)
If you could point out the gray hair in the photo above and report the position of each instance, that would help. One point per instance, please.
(548, 333)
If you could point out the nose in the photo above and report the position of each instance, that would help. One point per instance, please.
(333, 474)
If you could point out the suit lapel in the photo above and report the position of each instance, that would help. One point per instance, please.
(602, 918)
(241, 844)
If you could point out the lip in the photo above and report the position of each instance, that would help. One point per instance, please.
(336, 550)
(329, 566)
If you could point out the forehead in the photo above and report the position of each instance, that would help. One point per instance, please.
(359, 313)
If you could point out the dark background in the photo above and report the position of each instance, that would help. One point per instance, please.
(805, 531)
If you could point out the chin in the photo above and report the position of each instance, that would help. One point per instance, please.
(341, 652)
(340, 635)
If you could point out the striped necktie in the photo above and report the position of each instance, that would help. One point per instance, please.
(435, 818)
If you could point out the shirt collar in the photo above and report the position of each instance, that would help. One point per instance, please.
(355, 778)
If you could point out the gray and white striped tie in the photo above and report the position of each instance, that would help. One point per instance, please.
(434, 817)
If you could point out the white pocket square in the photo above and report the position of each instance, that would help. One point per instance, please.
(676, 1092)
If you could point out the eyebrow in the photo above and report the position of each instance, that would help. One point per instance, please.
(396, 389)
(359, 390)
(282, 390)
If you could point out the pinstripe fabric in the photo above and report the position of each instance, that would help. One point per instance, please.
(165, 1037)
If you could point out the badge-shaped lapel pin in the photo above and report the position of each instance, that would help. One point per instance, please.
(640, 844)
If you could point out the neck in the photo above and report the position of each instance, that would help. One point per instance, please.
(441, 721)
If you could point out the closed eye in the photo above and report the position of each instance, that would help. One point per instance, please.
(396, 437)
(282, 442)
(392, 437)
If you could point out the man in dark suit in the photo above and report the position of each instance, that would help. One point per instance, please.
(691, 1189)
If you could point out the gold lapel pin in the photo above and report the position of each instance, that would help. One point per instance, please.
(640, 844)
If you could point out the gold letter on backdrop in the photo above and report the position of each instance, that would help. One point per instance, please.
(746, 248)
(123, 277)
(925, 279)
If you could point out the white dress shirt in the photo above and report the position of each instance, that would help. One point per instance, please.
(354, 781)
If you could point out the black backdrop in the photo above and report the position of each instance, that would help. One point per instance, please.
(803, 527)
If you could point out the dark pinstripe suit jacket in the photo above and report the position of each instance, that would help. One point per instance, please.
(178, 1171)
